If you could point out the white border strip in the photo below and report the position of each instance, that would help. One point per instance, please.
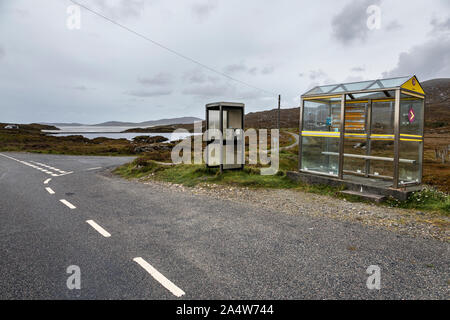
(67, 203)
(50, 190)
(159, 277)
(100, 230)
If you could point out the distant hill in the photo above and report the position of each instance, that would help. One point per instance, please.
(182, 120)
(74, 124)
(437, 105)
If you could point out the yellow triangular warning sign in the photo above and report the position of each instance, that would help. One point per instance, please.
(413, 85)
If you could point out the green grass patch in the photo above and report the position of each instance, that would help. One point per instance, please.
(191, 175)
(428, 199)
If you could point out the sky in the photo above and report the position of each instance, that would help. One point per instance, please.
(53, 72)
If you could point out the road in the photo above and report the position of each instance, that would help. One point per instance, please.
(136, 241)
(295, 136)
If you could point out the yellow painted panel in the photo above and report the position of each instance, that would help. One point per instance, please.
(411, 135)
(413, 85)
(416, 140)
(318, 135)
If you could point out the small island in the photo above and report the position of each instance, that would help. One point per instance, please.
(164, 128)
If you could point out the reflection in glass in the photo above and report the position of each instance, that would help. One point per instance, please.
(320, 138)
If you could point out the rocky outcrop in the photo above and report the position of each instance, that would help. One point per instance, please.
(153, 147)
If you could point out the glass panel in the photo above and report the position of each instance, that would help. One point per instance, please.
(409, 171)
(234, 119)
(375, 85)
(320, 136)
(321, 89)
(383, 117)
(338, 88)
(320, 154)
(375, 95)
(213, 153)
(214, 119)
(382, 138)
(394, 82)
(411, 115)
(411, 138)
(355, 142)
(358, 85)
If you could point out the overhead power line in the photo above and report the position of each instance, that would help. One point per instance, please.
(168, 49)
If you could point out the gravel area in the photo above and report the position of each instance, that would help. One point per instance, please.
(411, 222)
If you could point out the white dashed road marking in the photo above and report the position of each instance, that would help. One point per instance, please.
(47, 181)
(49, 190)
(67, 203)
(100, 230)
(169, 285)
(93, 168)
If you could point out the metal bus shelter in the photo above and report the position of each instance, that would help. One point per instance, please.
(368, 132)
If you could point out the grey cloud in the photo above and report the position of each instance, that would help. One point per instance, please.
(319, 78)
(428, 60)
(80, 88)
(350, 23)
(207, 90)
(440, 26)
(202, 10)
(148, 93)
(268, 70)
(235, 68)
(21, 13)
(198, 76)
(122, 8)
(161, 79)
(253, 94)
(301, 74)
(317, 74)
(358, 69)
(393, 25)
(2, 53)
(353, 79)
(253, 71)
(223, 90)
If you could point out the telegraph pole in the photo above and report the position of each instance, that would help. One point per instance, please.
(278, 117)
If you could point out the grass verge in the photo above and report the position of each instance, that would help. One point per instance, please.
(429, 199)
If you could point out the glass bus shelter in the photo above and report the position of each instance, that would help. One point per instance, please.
(369, 132)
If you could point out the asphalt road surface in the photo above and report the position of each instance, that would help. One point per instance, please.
(136, 241)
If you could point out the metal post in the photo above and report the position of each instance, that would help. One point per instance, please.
(221, 139)
(278, 116)
(243, 135)
(341, 139)
(207, 135)
(300, 139)
(396, 137)
(422, 144)
(368, 132)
